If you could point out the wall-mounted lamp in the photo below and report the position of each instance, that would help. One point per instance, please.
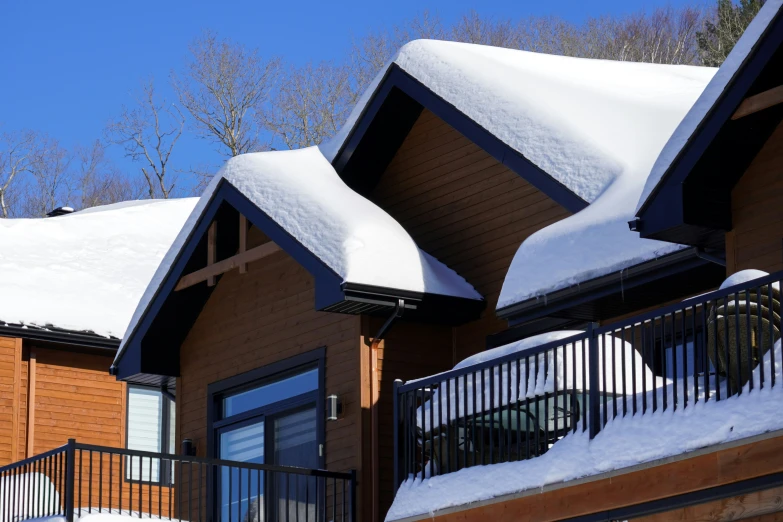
(334, 407)
(187, 448)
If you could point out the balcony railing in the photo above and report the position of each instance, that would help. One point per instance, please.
(79, 479)
(517, 403)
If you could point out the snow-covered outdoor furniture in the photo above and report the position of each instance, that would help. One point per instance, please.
(513, 402)
(743, 327)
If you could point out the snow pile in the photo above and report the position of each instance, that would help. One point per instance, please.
(302, 193)
(743, 276)
(15, 490)
(85, 271)
(624, 441)
(102, 516)
(559, 367)
(710, 96)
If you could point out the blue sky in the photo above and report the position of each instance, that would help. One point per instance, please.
(66, 68)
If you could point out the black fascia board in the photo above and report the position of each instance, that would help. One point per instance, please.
(666, 208)
(327, 282)
(60, 336)
(373, 164)
(615, 283)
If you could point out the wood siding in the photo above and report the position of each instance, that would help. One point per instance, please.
(74, 397)
(464, 208)
(471, 213)
(636, 487)
(261, 317)
(756, 240)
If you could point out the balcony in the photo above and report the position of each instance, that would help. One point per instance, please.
(77, 480)
(515, 403)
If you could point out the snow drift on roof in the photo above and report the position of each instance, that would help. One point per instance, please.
(596, 241)
(576, 119)
(85, 271)
(710, 96)
(301, 192)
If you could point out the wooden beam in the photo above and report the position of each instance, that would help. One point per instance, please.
(17, 400)
(31, 405)
(211, 240)
(223, 266)
(242, 241)
(759, 102)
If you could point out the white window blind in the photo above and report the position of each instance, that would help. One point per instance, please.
(145, 418)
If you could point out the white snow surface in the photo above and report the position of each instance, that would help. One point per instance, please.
(743, 276)
(85, 271)
(302, 193)
(623, 442)
(596, 126)
(710, 96)
(14, 489)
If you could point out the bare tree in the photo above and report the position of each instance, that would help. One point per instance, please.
(311, 104)
(149, 133)
(50, 183)
(473, 28)
(16, 151)
(99, 181)
(223, 87)
(727, 21)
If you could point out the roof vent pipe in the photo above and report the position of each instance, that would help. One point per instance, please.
(60, 211)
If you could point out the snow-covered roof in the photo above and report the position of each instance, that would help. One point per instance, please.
(578, 120)
(709, 96)
(85, 271)
(595, 126)
(301, 192)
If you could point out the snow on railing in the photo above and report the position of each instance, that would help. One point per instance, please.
(516, 401)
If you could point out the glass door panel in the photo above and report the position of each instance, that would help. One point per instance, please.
(295, 444)
(241, 490)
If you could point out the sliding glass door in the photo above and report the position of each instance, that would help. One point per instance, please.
(272, 421)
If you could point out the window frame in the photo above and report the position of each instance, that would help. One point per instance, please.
(164, 473)
(244, 381)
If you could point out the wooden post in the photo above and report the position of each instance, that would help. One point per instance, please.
(242, 241)
(31, 405)
(374, 399)
(17, 399)
(211, 239)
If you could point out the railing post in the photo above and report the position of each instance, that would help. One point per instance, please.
(397, 383)
(353, 495)
(70, 472)
(594, 417)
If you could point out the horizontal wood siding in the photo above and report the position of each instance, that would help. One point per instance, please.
(756, 240)
(472, 213)
(464, 208)
(75, 397)
(255, 319)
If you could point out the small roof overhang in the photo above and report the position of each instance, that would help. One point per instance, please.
(150, 351)
(679, 274)
(688, 196)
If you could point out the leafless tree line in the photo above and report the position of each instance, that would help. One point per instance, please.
(239, 101)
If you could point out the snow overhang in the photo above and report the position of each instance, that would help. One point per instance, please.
(361, 259)
(687, 197)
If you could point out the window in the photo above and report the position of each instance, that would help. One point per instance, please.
(272, 415)
(151, 421)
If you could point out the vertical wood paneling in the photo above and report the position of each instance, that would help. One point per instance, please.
(756, 240)
(7, 402)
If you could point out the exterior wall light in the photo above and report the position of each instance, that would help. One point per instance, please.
(334, 408)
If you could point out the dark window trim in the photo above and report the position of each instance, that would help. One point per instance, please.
(216, 390)
(164, 478)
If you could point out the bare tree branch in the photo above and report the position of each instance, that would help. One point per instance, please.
(16, 151)
(148, 134)
(224, 88)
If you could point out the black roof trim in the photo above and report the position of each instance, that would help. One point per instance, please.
(388, 117)
(149, 353)
(60, 336)
(582, 302)
(691, 204)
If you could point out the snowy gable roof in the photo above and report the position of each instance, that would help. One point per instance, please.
(85, 271)
(575, 119)
(709, 97)
(299, 191)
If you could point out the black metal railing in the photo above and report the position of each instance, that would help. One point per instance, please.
(79, 479)
(518, 402)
